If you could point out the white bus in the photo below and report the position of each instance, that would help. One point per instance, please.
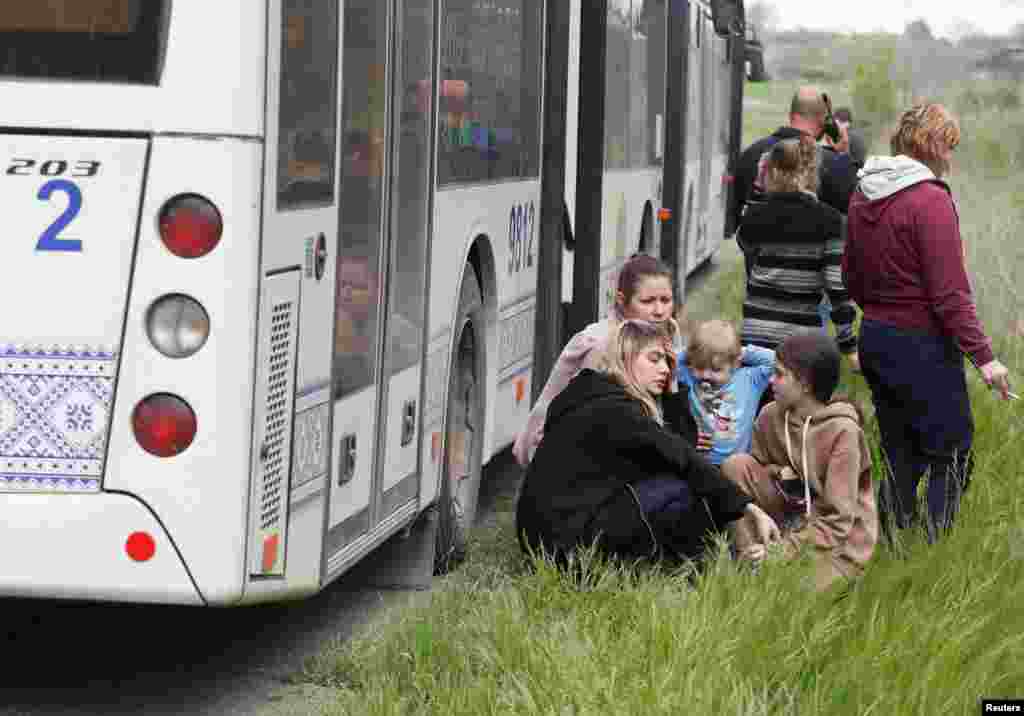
(658, 164)
(279, 259)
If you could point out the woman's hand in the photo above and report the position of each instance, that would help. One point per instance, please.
(997, 376)
(765, 527)
(674, 331)
(703, 441)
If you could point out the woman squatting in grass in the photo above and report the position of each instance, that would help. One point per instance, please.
(904, 265)
(645, 292)
(809, 465)
(614, 468)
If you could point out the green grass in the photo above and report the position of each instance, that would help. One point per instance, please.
(928, 629)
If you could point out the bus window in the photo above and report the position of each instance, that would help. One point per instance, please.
(105, 40)
(635, 83)
(305, 157)
(617, 85)
(490, 90)
(411, 191)
(648, 76)
(364, 129)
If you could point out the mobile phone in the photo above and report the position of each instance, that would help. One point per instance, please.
(831, 128)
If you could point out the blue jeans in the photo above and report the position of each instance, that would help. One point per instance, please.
(919, 390)
(825, 312)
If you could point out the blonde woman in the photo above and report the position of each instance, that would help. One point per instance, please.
(645, 292)
(904, 266)
(614, 469)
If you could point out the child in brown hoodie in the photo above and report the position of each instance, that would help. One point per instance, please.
(809, 465)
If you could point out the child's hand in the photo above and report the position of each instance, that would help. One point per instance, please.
(703, 441)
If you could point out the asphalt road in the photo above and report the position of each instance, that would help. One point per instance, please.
(65, 658)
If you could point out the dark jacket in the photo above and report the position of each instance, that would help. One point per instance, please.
(904, 259)
(794, 247)
(598, 442)
(858, 147)
(837, 175)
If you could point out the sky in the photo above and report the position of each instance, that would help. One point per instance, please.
(994, 17)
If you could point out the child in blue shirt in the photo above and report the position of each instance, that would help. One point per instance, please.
(726, 382)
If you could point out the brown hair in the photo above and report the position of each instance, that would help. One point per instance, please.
(626, 341)
(923, 132)
(813, 358)
(638, 268)
(713, 343)
(792, 165)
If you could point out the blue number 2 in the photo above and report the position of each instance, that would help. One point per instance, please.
(49, 241)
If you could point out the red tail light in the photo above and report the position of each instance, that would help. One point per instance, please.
(140, 546)
(164, 425)
(190, 226)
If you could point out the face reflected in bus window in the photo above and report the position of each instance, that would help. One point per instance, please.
(355, 324)
(357, 289)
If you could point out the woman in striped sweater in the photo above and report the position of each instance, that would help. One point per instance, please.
(794, 245)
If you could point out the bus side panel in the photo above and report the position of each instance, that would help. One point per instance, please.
(200, 496)
(212, 81)
(285, 530)
(75, 547)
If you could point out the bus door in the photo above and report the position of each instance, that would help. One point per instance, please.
(387, 108)
(691, 212)
(300, 229)
(709, 130)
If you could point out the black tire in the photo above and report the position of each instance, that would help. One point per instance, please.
(463, 430)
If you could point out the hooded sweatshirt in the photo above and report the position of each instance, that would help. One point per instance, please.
(828, 453)
(904, 259)
(578, 353)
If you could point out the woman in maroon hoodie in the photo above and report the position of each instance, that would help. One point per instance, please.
(904, 265)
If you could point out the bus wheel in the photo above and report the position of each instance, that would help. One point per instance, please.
(460, 479)
(648, 239)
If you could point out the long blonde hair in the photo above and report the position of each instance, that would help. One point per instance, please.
(626, 341)
(792, 165)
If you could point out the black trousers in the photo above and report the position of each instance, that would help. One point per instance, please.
(919, 390)
(659, 519)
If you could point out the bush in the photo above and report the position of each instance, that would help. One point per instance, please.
(977, 98)
(876, 92)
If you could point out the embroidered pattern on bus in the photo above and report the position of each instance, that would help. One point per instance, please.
(54, 410)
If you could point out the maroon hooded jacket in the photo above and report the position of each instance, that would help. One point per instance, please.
(904, 258)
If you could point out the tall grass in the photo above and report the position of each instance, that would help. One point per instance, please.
(928, 629)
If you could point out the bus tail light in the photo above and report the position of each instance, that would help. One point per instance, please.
(190, 226)
(177, 325)
(164, 425)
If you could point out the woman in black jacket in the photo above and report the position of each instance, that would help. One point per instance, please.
(615, 469)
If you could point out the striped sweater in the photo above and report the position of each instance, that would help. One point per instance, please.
(794, 245)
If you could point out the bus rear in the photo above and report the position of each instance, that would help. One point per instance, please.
(130, 176)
